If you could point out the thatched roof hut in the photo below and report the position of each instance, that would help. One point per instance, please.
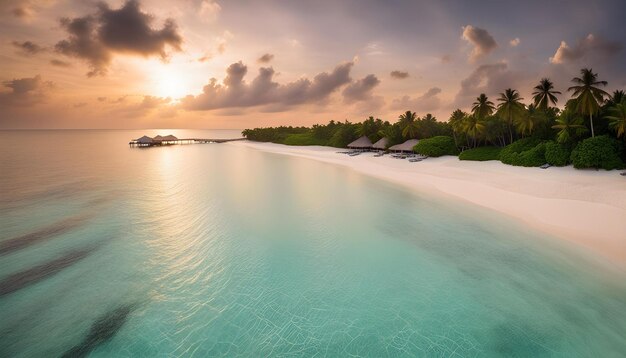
(361, 143)
(169, 138)
(381, 144)
(404, 147)
(145, 140)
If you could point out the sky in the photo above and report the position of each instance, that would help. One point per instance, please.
(244, 64)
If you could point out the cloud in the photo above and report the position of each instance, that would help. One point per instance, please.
(27, 91)
(446, 58)
(25, 10)
(588, 46)
(134, 108)
(28, 48)
(59, 63)
(234, 92)
(482, 41)
(515, 42)
(489, 79)
(266, 58)
(209, 10)
(360, 90)
(205, 58)
(96, 37)
(22, 12)
(399, 75)
(429, 101)
(373, 49)
(223, 41)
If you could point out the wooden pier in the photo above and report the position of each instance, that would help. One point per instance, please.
(158, 143)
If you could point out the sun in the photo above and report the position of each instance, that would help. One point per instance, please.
(170, 83)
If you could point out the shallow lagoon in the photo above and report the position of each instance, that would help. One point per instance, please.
(223, 250)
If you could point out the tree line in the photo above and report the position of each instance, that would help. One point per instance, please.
(589, 112)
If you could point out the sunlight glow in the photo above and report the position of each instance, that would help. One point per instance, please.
(170, 83)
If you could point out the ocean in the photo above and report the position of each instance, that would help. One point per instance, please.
(224, 250)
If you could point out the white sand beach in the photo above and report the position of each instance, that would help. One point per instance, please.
(587, 207)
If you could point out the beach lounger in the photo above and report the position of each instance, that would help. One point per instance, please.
(417, 158)
(545, 166)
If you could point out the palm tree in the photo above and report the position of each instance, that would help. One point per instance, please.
(616, 97)
(408, 123)
(510, 108)
(544, 94)
(527, 122)
(569, 124)
(483, 107)
(474, 126)
(588, 96)
(456, 122)
(617, 117)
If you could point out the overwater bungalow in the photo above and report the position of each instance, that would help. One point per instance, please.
(404, 147)
(144, 141)
(362, 143)
(159, 140)
(169, 139)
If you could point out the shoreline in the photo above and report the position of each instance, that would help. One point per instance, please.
(585, 207)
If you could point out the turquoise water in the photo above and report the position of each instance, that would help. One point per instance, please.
(222, 250)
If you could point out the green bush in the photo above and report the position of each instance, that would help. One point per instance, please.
(527, 152)
(481, 154)
(598, 152)
(557, 154)
(304, 139)
(436, 146)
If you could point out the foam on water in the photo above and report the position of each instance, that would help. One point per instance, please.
(222, 250)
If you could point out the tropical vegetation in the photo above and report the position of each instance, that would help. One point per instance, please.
(588, 132)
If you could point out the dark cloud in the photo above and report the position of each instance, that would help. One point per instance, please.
(80, 104)
(489, 79)
(101, 99)
(263, 90)
(360, 90)
(128, 30)
(28, 48)
(96, 37)
(429, 101)
(482, 41)
(59, 63)
(24, 91)
(325, 83)
(446, 58)
(267, 58)
(399, 75)
(83, 43)
(589, 46)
